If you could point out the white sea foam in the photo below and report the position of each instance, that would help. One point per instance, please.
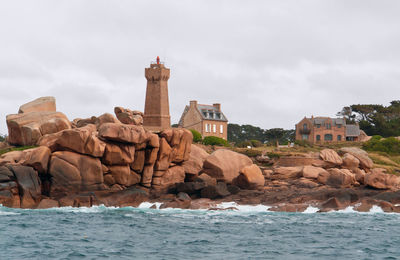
(243, 208)
(311, 209)
(376, 209)
(147, 205)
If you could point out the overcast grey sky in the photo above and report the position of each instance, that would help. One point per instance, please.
(269, 63)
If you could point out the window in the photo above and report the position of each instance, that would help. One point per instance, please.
(218, 115)
(208, 128)
(339, 126)
(221, 129)
(328, 137)
(318, 138)
(211, 114)
(339, 138)
(205, 114)
(214, 128)
(305, 126)
(328, 126)
(304, 137)
(318, 126)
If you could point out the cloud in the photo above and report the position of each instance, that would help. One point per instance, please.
(269, 63)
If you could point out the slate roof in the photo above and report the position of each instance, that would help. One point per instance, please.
(352, 130)
(321, 120)
(211, 113)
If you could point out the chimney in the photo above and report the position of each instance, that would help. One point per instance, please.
(217, 106)
(193, 103)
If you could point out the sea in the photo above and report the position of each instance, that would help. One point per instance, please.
(251, 232)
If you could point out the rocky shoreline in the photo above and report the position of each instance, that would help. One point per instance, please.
(114, 161)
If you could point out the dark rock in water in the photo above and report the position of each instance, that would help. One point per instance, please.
(183, 196)
(290, 207)
(128, 197)
(218, 191)
(182, 201)
(233, 189)
(48, 203)
(28, 183)
(332, 204)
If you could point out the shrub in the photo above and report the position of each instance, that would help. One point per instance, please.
(249, 152)
(244, 144)
(303, 143)
(197, 138)
(389, 145)
(213, 140)
(256, 143)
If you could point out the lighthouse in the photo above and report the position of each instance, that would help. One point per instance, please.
(156, 109)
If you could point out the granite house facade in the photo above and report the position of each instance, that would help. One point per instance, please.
(326, 129)
(206, 119)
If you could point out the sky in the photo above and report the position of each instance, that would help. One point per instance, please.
(269, 63)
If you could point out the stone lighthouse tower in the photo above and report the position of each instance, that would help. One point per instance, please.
(156, 109)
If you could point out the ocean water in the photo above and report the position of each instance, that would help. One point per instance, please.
(144, 233)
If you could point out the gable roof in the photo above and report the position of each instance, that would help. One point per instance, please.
(321, 120)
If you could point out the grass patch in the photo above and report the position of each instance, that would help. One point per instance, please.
(11, 149)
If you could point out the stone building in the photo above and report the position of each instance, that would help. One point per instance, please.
(156, 110)
(326, 129)
(206, 119)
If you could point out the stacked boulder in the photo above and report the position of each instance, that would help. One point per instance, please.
(98, 154)
(35, 119)
(350, 167)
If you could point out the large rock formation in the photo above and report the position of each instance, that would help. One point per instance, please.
(225, 165)
(35, 119)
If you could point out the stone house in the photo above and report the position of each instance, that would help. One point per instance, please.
(206, 119)
(326, 129)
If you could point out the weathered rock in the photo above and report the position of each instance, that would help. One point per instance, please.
(126, 116)
(27, 128)
(150, 156)
(250, 177)
(378, 179)
(81, 122)
(287, 172)
(109, 179)
(147, 175)
(190, 187)
(218, 191)
(124, 198)
(138, 162)
(330, 156)
(123, 175)
(350, 162)
(38, 158)
(50, 141)
(82, 140)
(123, 133)
(340, 178)
(28, 184)
(71, 172)
(118, 154)
(182, 201)
(225, 165)
(42, 104)
(48, 203)
(312, 172)
(360, 175)
(333, 204)
(207, 179)
(10, 199)
(361, 155)
(196, 159)
(164, 156)
(172, 176)
(11, 157)
(105, 118)
(6, 174)
(181, 145)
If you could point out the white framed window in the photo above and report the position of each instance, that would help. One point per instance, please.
(214, 128)
(206, 128)
(221, 129)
